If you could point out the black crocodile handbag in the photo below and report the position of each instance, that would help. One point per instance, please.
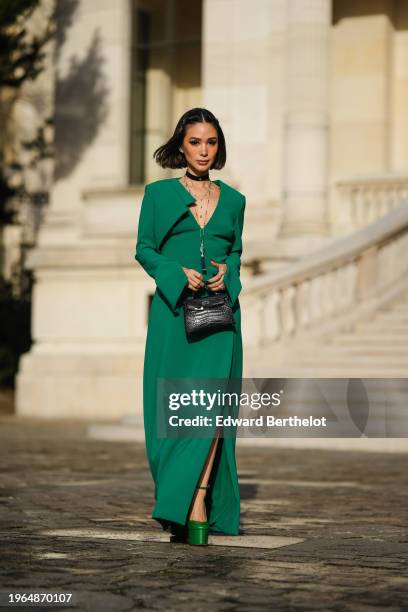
(207, 314)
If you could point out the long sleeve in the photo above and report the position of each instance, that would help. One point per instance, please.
(169, 275)
(232, 279)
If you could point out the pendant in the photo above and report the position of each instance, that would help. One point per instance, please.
(203, 266)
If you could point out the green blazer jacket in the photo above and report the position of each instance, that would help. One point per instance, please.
(162, 205)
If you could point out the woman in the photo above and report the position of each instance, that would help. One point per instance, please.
(196, 483)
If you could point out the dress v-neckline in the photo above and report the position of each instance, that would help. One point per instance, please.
(217, 181)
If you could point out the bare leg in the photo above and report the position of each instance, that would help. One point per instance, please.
(198, 511)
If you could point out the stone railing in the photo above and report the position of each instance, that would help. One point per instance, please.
(331, 288)
(361, 201)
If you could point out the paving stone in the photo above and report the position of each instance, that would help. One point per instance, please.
(321, 529)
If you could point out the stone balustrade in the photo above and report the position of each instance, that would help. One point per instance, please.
(361, 201)
(331, 287)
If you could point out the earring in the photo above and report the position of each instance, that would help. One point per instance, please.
(182, 152)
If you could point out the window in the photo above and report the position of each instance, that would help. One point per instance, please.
(165, 76)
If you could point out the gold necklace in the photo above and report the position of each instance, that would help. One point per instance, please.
(200, 200)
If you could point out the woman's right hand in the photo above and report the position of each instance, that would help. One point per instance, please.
(195, 279)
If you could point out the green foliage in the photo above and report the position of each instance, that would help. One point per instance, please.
(15, 335)
(21, 55)
(21, 59)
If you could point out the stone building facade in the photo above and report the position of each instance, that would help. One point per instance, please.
(313, 99)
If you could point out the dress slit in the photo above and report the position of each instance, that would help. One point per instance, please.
(203, 469)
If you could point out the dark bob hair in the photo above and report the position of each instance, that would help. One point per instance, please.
(169, 154)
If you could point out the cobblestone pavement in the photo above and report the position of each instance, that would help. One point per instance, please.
(321, 530)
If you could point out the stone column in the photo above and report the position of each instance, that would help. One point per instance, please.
(89, 320)
(242, 76)
(306, 119)
(92, 83)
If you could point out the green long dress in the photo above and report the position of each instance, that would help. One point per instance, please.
(169, 238)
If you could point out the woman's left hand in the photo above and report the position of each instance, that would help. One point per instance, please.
(216, 283)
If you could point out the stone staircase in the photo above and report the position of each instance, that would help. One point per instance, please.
(339, 312)
(376, 347)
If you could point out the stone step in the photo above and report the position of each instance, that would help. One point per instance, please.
(353, 368)
(378, 350)
(381, 327)
(370, 340)
(318, 356)
(388, 336)
(399, 317)
(400, 307)
(328, 370)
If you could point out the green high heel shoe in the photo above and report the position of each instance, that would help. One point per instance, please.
(197, 531)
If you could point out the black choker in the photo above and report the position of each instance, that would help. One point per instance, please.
(194, 177)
